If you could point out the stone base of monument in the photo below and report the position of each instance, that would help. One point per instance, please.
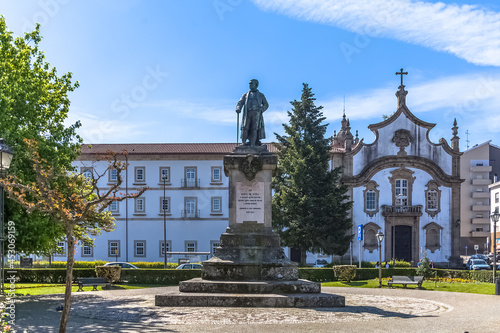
(249, 287)
(250, 268)
(318, 300)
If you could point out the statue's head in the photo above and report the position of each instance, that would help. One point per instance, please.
(254, 84)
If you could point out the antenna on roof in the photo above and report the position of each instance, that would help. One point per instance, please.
(467, 141)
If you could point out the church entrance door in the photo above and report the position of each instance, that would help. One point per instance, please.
(402, 242)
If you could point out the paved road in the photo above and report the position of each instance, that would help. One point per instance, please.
(367, 310)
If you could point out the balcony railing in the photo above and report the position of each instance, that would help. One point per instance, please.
(190, 214)
(401, 210)
(189, 182)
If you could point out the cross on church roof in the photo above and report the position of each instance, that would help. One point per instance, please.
(401, 73)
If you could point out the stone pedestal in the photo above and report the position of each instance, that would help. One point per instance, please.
(250, 267)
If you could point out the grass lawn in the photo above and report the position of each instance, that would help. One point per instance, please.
(474, 288)
(51, 288)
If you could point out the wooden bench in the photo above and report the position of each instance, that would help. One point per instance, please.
(82, 282)
(406, 280)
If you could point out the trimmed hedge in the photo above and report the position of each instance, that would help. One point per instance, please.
(173, 276)
(50, 275)
(317, 274)
(95, 263)
(159, 276)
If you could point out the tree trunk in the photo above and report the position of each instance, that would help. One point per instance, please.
(303, 257)
(69, 281)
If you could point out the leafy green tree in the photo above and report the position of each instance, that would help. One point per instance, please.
(34, 104)
(310, 206)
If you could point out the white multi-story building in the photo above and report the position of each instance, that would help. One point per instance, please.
(193, 200)
(495, 205)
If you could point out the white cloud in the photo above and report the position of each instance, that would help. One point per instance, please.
(469, 32)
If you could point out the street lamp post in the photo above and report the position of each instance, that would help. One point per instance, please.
(6, 155)
(380, 238)
(495, 216)
(164, 178)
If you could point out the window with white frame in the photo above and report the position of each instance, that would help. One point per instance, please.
(165, 205)
(113, 207)
(61, 248)
(216, 204)
(190, 177)
(113, 175)
(140, 248)
(113, 248)
(401, 192)
(371, 194)
(190, 246)
(370, 200)
(165, 174)
(162, 247)
(497, 197)
(216, 174)
(190, 207)
(88, 172)
(140, 205)
(432, 198)
(87, 250)
(140, 174)
(213, 246)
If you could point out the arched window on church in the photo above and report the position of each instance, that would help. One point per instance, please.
(371, 198)
(401, 192)
(432, 198)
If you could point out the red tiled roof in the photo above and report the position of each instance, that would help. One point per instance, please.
(163, 148)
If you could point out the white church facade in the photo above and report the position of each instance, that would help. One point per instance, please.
(403, 185)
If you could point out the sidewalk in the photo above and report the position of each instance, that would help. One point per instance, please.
(367, 310)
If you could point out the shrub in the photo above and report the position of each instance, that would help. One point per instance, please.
(424, 269)
(345, 272)
(110, 273)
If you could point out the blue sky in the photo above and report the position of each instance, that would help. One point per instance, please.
(173, 71)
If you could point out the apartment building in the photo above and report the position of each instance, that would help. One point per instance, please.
(479, 166)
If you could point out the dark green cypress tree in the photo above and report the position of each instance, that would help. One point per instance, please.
(310, 206)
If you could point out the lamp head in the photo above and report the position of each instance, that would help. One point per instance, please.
(6, 155)
(495, 216)
(380, 236)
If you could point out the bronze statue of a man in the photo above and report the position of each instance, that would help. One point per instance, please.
(254, 104)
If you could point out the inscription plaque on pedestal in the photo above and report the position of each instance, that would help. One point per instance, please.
(250, 202)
